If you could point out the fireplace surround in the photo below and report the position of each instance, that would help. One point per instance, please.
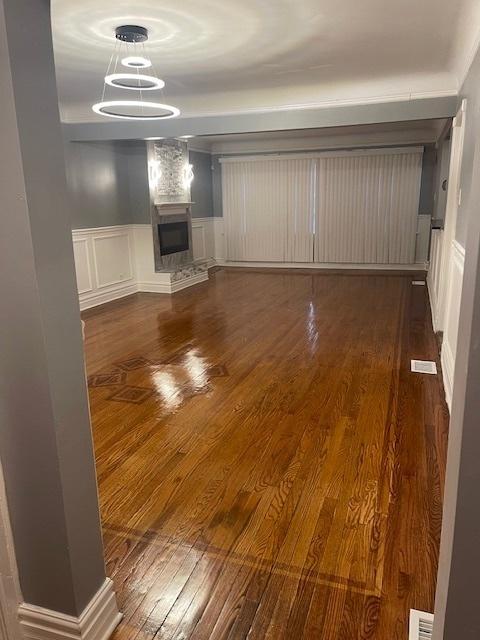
(169, 179)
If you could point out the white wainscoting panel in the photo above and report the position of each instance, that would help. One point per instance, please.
(446, 320)
(82, 263)
(112, 257)
(203, 238)
(104, 262)
(219, 239)
(452, 314)
(433, 277)
(113, 262)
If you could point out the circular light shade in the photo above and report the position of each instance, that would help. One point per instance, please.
(136, 62)
(134, 81)
(135, 110)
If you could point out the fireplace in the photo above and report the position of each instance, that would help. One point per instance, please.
(173, 237)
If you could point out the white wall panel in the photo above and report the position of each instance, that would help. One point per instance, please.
(112, 262)
(105, 264)
(82, 265)
(433, 277)
(203, 238)
(112, 258)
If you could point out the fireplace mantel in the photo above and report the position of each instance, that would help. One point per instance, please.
(172, 205)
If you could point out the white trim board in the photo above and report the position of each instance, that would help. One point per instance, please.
(97, 622)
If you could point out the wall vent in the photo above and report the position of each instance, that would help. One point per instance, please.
(421, 625)
(420, 283)
(424, 366)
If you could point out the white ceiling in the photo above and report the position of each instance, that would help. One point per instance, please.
(225, 56)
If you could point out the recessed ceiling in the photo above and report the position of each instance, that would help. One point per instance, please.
(224, 56)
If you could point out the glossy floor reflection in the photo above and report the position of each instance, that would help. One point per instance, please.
(268, 465)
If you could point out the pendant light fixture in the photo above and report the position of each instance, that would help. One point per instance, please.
(130, 52)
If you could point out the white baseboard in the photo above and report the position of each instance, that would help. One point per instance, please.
(97, 622)
(325, 265)
(88, 300)
(173, 287)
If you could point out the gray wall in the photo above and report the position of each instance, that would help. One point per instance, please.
(457, 614)
(45, 438)
(427, 189)
(444, 149)
(202, 191)
(108, 183)
(470, 162)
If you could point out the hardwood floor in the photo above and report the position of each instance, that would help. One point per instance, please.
(268, 465)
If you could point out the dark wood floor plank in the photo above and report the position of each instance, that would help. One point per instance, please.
(268, 465)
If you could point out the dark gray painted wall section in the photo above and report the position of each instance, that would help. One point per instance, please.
(98, 185)
(138, 203)
(427, 189)
(202, 191)
(108, 183)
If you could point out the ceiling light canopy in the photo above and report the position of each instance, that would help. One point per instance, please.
(128, 38)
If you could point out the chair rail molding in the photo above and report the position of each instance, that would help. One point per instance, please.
(97, 622)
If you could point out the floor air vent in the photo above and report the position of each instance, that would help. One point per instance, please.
(421, 625)
(424, 366)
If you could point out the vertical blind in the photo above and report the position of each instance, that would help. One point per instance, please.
(268, 207)
(358, 207)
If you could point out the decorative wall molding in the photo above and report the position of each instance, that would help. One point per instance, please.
(449, 322)
(452, 315)
(130, 263)
(104, 261)
(433, 277)
(114, 262)
(97, 621)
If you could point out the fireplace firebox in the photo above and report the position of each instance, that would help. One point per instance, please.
(173, 237)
